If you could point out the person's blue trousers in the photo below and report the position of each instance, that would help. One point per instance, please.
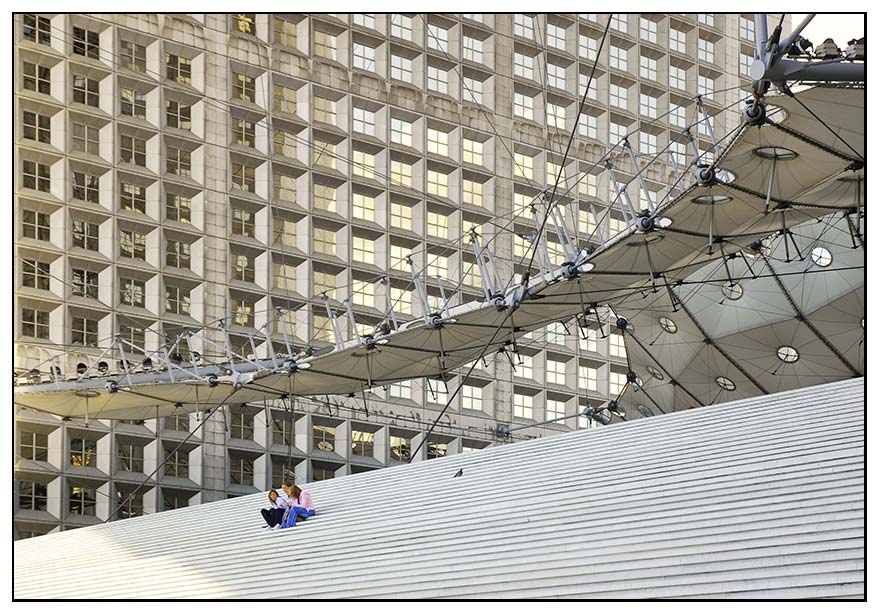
(293, 512)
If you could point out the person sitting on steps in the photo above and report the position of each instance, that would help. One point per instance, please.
(298, 503)
(275, 513)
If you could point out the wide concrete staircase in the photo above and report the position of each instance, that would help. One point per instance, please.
(760, 498)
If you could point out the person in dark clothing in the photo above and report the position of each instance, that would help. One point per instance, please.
(275, 513)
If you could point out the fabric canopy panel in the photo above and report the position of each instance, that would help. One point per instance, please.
(771, 178)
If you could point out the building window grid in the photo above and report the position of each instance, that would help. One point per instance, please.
(401, 26)
(85, 138)
(84, 331)
(86, 187)
(34, 323)
(133, 150)
(35, 274)
(37, 29)
(82, 500)
(244, 87)
(647, 30)
(36, 127)
(33, 446)
(523, 406)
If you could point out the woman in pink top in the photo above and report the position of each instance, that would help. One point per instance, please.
(299, 504)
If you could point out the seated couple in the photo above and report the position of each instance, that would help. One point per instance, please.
(284, 509)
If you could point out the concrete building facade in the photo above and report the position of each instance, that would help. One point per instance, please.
(176, 171)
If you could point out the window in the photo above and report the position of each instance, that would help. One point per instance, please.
(618, 22)
(616, 132)
(363, 164)
(648, 105)
(173, 501)
(178, 69)
(401, 68)
(677, 78)
(473, 49)
(285, 32)
(85, 187)
(244, 178)
(82, 501)
(178, 162)
(244, 23)
(437, 391)
(438, 79)
(616, 382)
(707, 19)
(35, 176)
(284, 277)
(746, 28)
(84, 331)
(284, 143)
(401, 131)
(325, 241)
(679, 150)
(556, 115)
(588, 126)
(647, 30)
(177, 254)
(34, 446)
(648, 67)
(677, 40)
(438, 38)
(133, 103)
(438, 225)
(244, 87)
(85, 138)
(705, 50)
(364, 293)
(85, 283)
(399, 448)
(363, 206)
(244, 133)
(363, 121)
(438, 142)
(36, 29)
(745, 63)
(324, 437)
(523, 406)
(285, 187)
(325, 197)
(133, 150)
(523, 106)
(588, 378)
(555, 372)
(472, 151)
(129, 504)
(324, 153)
(178, 115)
(34, 323)
(524, 165)
(593, 93)
(35, 274)
(401, 26)
(555, 36)
(85, 91)
(555, 410)
(325, 45)
(86, 42)
(178, 208)
(241, 425)
(325, 110)
(616, 345)
(705, 86)
(587, 47)
(32, 495)
(285, 99)
(647, 143)
(401, 300)
(176, 463)
(85, 235)
(36, 127)
(401, 173)
(523, 66)
(130, 456)
(472, 192)
(242, 222)
(36, 78)
(83, 452)
(401, 216)
(242, 313)
(555, 76)
(472, 398)
(362, 443)
(523, 25)
(363, 250)
(364, 57)
(438, 266)
(617, 95)
(473, 89)
(133, 198)
(131, 292)
(618, 57)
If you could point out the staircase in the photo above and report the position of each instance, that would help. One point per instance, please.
(758, 498)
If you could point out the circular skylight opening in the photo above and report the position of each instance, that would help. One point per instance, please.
(787, 354)
(732, 290)
(656, 373)
(775, 153)
(821, 256)
(668, 325)
(725, 383)
(712, 199)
